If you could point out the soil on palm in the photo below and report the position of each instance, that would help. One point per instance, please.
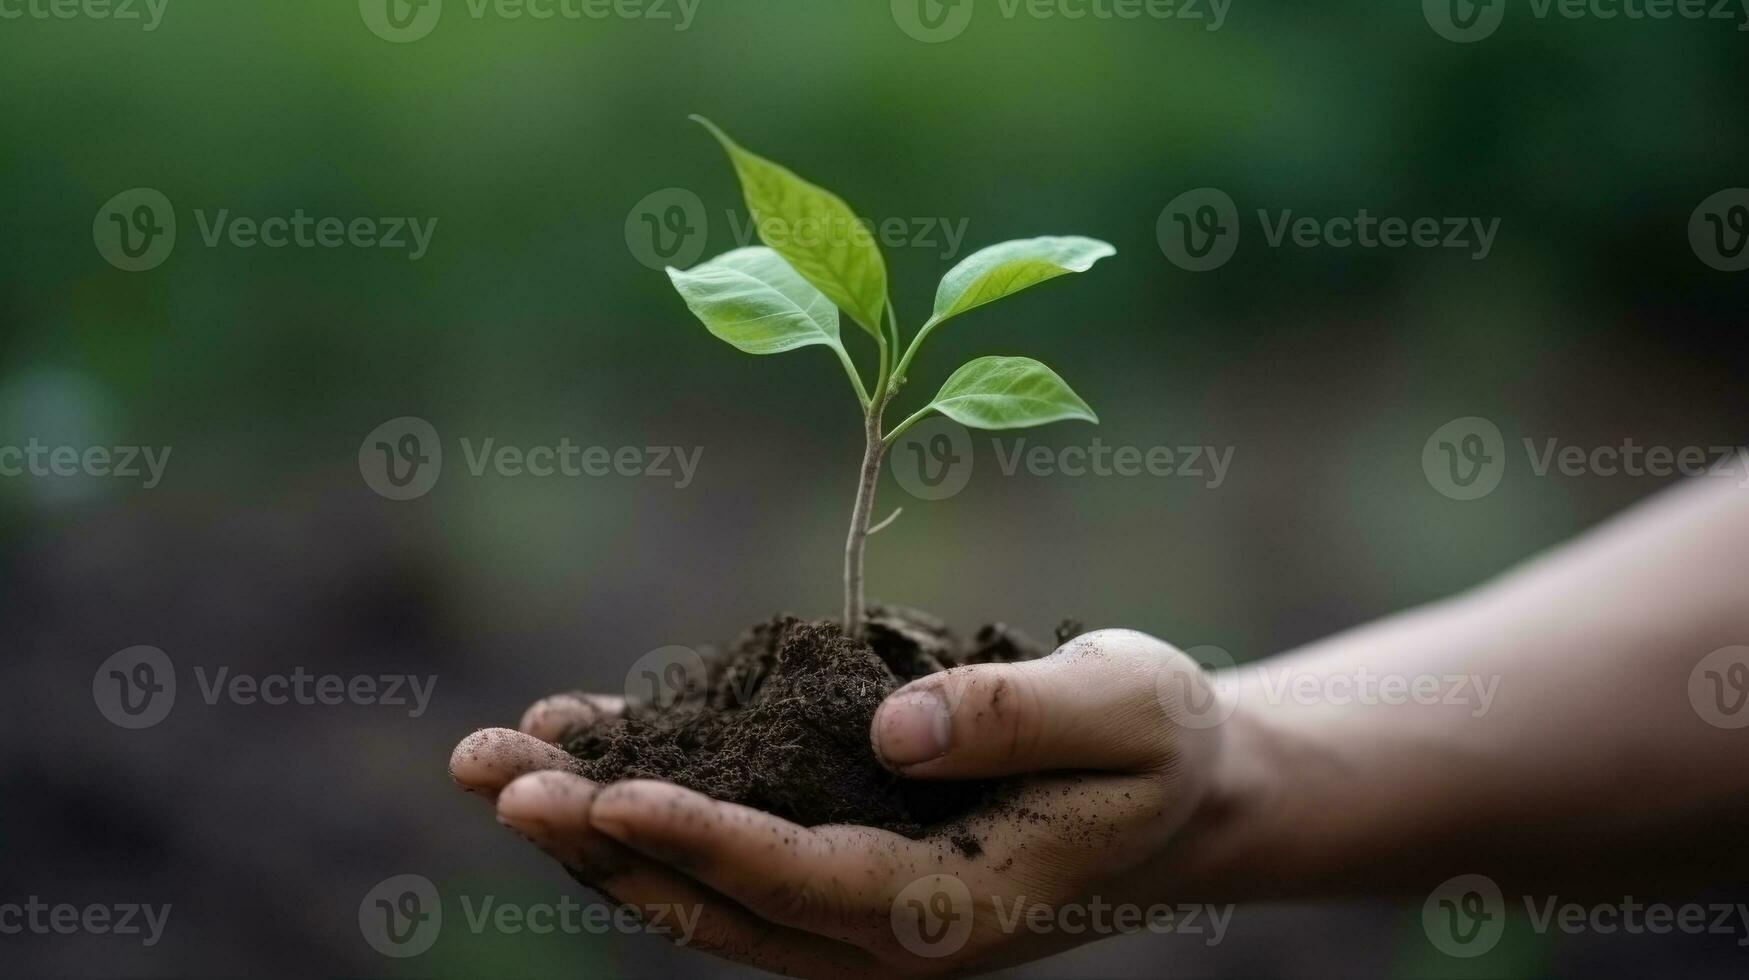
(780, 721)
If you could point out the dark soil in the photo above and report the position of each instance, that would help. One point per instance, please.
(780, 721)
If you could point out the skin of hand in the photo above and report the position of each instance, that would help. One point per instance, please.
(1119, 739)
(1157, 784)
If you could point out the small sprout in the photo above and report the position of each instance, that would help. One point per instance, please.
(882, 526)
(767, 300)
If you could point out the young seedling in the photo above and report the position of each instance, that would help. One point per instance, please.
(819, 259)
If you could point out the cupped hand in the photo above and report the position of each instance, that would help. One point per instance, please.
(1115, 734)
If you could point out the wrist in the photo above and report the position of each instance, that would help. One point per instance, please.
(1234, 846)
(1319, 797)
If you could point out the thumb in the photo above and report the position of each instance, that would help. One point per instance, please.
(1110, 700)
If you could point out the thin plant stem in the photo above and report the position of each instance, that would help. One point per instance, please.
(855, 378)
(899, 430)
(857, 543)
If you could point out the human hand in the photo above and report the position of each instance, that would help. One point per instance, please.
(1113, 735)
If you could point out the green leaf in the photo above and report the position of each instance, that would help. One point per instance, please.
(1009, 393)
(815, 231)
(752, 299)
(1006, 269)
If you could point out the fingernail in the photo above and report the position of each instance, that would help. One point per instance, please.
(912, 727)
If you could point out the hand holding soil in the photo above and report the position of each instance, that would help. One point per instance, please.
(1124, 778)
(1113, 771)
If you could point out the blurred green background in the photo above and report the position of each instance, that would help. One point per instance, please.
(531, 319)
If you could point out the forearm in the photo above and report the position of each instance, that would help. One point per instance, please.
(1560, 727)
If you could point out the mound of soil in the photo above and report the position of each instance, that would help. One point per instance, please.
(780, 721)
